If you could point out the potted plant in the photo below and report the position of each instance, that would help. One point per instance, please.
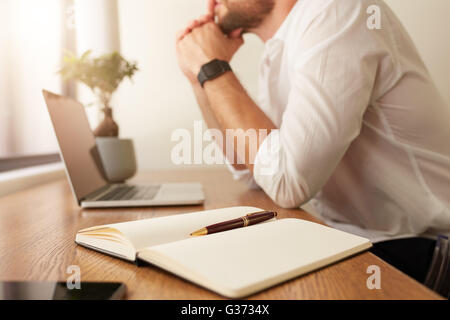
(103, 75)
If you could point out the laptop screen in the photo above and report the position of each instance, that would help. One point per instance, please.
(77, 144)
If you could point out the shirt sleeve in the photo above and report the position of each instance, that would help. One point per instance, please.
(335, 68)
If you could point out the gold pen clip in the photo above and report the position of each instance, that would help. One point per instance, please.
(275, 214)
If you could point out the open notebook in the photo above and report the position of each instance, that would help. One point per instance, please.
(234, 263)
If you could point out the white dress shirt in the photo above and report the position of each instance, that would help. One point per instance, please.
(363, 129)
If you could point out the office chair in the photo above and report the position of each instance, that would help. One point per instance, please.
(438, 278)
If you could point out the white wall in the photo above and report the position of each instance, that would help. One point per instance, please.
(428, 24)
(160, 100)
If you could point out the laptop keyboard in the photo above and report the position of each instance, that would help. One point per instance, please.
(131, 193)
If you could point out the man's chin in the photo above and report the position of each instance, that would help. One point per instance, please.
(227, 28)
(223, 27)
(221, 21)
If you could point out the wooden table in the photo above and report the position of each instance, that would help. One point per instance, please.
(38, 227)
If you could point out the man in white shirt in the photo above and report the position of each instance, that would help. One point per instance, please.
(360, 128)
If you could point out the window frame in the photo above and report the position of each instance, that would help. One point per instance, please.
(17, 163)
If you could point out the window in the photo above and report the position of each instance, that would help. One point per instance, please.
(33, 35)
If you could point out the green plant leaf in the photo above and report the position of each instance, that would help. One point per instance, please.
(102, 75)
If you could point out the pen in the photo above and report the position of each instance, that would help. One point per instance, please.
(248, 220)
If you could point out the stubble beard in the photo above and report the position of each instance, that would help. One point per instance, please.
(245, 14)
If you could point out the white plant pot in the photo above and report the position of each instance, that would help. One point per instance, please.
(118, 159)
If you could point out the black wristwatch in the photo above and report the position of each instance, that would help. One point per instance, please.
(213, 70)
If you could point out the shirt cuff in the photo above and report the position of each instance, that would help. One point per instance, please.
(244, 176)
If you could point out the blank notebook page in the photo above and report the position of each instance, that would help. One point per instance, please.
(242, 261)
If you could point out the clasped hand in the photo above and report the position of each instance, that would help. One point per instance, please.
(203, 41)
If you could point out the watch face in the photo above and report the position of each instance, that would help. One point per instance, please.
(214, 68)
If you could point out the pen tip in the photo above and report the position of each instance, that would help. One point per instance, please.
(201, 232)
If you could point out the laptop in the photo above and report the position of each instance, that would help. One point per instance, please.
(79, 153)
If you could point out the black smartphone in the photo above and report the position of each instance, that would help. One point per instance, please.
(62, 291)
